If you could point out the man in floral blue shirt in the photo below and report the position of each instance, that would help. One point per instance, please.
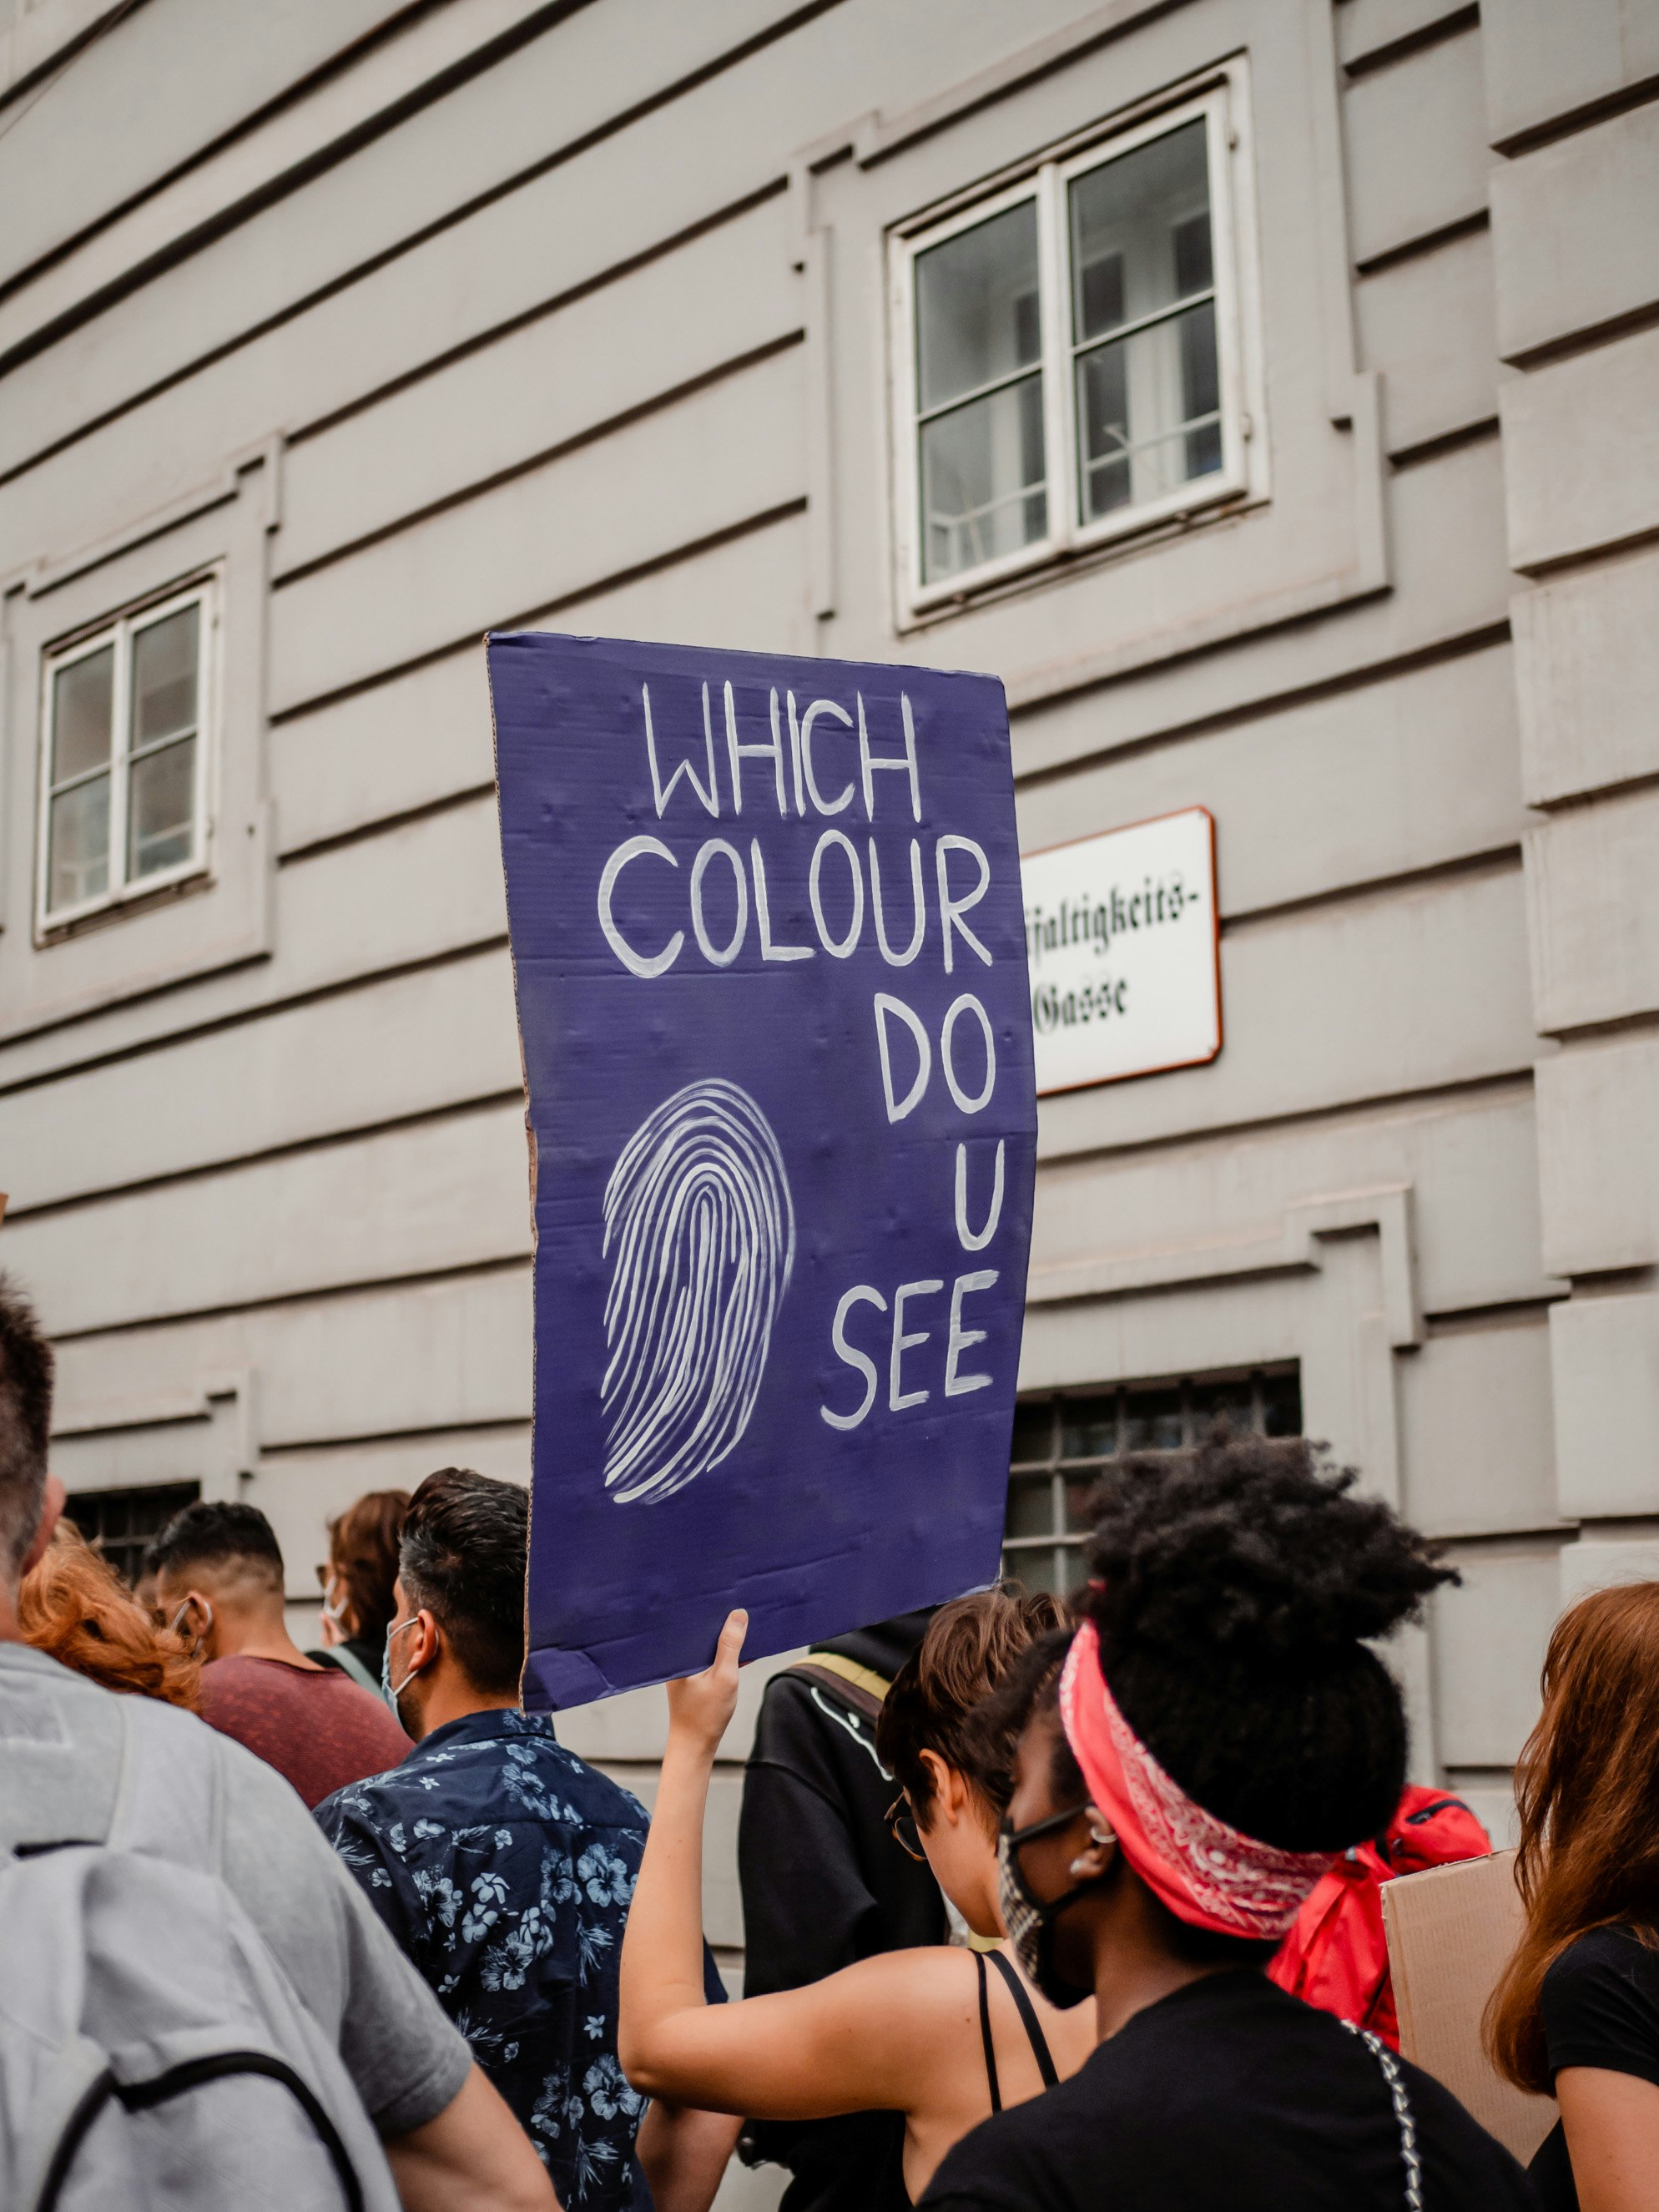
(503, 1864)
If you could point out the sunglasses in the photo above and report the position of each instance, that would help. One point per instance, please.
(902, 1826)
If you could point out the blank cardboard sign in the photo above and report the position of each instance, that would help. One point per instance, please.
(1451, 1933)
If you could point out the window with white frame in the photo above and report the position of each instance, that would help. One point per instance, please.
(125, 743)
(1069, 355)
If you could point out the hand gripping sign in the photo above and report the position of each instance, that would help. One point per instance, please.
(770, 965)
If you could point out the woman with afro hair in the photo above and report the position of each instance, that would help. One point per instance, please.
(1190, 1760)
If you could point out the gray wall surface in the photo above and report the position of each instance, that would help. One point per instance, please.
(420, 322)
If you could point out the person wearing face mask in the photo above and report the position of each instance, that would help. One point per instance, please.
(357, 1583)
(935, 2038)
(219, 1585)
(502, 1864)
(1190, 1763)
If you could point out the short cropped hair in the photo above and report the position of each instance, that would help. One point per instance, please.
(214, 1533)
(462, 1558)
(25, 1366)
(969, 1648)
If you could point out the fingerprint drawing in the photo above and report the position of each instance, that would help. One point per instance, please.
(700, 1230)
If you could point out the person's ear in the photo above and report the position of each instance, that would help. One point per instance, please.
(52, 1508)
(194, 1614)
(422, 1645)
(944, 1802)
(952, 1798)
(1096, 1857)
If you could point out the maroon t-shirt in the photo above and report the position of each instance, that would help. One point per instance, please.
(313, 1725)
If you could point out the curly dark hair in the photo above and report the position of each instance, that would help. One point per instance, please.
(1233, 1593)
(1230, 1589)
(1234, 1590)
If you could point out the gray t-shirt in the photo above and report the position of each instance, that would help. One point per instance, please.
(65, 1777)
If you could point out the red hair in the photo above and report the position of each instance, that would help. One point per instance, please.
(75, 1607)
(1587, 1788)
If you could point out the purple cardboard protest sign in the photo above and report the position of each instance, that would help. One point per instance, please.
(771, 963)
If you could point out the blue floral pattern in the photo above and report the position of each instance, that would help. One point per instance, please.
(504, 1866)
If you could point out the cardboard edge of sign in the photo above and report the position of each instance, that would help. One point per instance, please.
(487, 641)
(1168, 1067)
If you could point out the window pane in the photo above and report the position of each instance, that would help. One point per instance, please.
(976, 306)
(160, 807)
(1079, 1493)
(1228, 1401)
(77, 846)
(1034, 1433)
(982, 490)
(1088, 1426)
(1281, 1405)
(1033, 1570)
(1152, 1421)
(81, 714)
(164, 659)
(1140, 232)
(1031, 1506)
(1148, 418)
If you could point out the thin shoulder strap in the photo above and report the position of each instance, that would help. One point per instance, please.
(985, 2032)
(1028, 2021)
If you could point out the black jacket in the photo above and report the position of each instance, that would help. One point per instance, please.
(823, 1882)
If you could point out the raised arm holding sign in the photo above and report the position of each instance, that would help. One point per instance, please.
(771, 963)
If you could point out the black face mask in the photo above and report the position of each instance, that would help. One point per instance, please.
(1031, 1921)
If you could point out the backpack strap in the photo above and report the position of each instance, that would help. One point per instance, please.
(346, 1663)
(858, 1689)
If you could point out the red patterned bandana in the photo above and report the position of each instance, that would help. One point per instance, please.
(1206, 1872)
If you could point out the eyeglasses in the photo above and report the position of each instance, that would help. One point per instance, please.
(901, 1823)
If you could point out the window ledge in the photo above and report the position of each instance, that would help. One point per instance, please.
(1057, 564)
(125, 905)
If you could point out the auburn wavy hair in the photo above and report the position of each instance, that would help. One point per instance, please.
(1588, 1789)
(75, 1607)
(362, 1554)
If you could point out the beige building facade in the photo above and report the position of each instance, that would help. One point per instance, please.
(1264, 389)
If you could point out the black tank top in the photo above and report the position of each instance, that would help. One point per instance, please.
(889, 2194)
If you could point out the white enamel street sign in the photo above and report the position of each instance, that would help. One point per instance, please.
(1122, 935)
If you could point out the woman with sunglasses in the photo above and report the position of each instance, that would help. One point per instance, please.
(939, 2038)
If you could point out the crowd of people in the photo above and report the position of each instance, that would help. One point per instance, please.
(1048, 1907)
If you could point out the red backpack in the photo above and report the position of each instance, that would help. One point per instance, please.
(1335, 1955)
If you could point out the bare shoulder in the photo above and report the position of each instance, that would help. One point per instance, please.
(912, 1996)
